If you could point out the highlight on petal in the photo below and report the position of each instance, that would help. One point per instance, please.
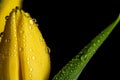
(6, 7)
(24, 54)
(73, 68)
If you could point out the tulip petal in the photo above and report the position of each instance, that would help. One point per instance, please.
(6, 7)
(33, 51)
(9, 51)
(24, 53)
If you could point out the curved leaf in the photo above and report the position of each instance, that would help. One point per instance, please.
(73, 68)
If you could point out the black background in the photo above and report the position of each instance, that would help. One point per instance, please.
(68, 26)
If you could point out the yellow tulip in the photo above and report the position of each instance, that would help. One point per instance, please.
(24, 54)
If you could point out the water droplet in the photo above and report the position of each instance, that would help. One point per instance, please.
(30, 49)
(41, 40)
(31, 69)
(98, 41)
(24, 39)
(71, 65)
(27, 15)
(35, 20)
(7, 40)
(21, 32)
(33, 57)
(55, 78)
(94, 44)
(13, 9)
(31, 21)
(28, 59)
(37, 24)
(9, 54)
(15, 45)
(28, 62)
(12, 54)
(103, 34)
(83, 57)
(20, 49)
(16, 7)
(6, 17)
(71, 71)
(15, 35)
(63, 71)
(14, 50)
(77, 57)
(94, 50)
(1, 34)
(48, 50)
(30, 27)
(30, 75)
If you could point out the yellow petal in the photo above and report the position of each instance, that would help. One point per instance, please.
(9, 51)
(6, 7)
(24, 53)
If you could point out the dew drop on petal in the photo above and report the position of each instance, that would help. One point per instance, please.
(15, 35)
(31, 69)
(20, 49)
(28, 62)
(14, 50)
(28, 59)
(48, 50)
(33, 57)
(30, 27)
(12, 54)
(31, 21)
(1, 34)
(35, 20)
(7, 40)
(21, 32)
(6, 17)
(30, 49)
(27, 15)
(30, 75)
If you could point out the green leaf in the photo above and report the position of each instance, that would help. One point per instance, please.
(73, 68)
